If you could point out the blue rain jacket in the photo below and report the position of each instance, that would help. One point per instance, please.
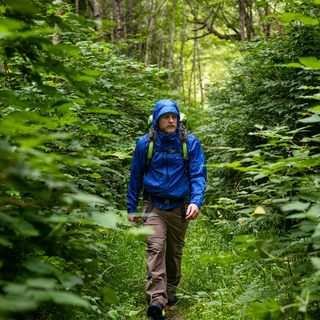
(167, 176)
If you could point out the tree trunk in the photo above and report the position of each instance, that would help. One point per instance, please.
(120, 31)
(161, 53)
(150, 30)
(76, 5)
(194, 67)
(242, 19)
(249, 21)
(172, 39)
(265, 25)
(130, 18)
(96, 8)
(183, 41)
(245, 19)
(103, 9)
(199, 71)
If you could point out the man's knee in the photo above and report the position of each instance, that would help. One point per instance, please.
(155, 246)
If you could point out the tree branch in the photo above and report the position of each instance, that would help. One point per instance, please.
(213, 15)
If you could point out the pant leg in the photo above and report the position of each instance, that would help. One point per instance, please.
(156, 287)
(176, 230)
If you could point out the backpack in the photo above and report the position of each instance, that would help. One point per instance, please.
(152, 135)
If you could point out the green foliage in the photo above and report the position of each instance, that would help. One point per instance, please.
(262, 145)
(264, 89)
(70, 112)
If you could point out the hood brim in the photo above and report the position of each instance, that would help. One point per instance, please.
(167, 109)
(162, 107)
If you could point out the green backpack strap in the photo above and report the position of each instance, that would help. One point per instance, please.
(152, 135)
(184, 142)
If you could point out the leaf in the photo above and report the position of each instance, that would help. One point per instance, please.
(288, 16)
(113, 314)
(316, 262)
(69, 281)
(4, 242)
(314, 210)
(292, 65)
(142, 232)
(315, 109)
(134, 313)
(38, 266)
(315, 118)
(58, 219)
(102, 111)
(15, 288)
(95, 175)
(262, 310)
(259, 211)
(8, 25)
(24, 7)
(84, 197)
(109, 296)
(297, 216)
(105, 134)
(25, 228)
(16, 304)
(245, 241)
(64, 108)
(223, 259)
(121, 155)
(43, 283)
(68, 298)
(64, 50)
(310, 62)
(308, 20)
(295, 206)
(107, 220)
(92, 72)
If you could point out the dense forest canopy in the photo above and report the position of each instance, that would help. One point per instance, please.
(78, 83)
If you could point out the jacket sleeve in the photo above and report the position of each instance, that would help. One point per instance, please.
(136, 174)
(197, 172)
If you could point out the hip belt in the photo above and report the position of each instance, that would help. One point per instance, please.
(169, 200)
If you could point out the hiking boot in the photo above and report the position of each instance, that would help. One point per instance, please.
(156, 311)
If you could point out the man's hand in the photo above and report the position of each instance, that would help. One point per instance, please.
(192, 211)
(133, 217)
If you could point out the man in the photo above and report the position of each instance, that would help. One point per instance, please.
(175, 187)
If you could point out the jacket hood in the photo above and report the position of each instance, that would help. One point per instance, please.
(164, 106)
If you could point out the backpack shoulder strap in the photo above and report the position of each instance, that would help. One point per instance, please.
(152, 135)
(184, 142)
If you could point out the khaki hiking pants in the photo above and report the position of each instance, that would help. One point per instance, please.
(164, 254)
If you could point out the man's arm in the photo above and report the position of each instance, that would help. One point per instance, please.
(198, 176)
(136, 177)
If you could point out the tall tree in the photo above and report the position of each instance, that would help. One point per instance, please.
(183, 37)
(119, 17)
(96, 8)
(245, 19)
(172, 38)
(198, 58)
(150, 30)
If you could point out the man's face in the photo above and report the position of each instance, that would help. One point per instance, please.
(168, 123)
